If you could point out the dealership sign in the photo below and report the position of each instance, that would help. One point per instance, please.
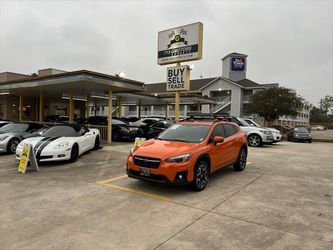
(180, 44)
(178, 78)
(237, 63)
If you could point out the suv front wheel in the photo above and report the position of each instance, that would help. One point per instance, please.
(201, 172)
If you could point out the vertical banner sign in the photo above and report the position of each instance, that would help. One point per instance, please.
(178, 78)
(180, 44)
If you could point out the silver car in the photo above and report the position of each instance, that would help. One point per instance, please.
(12, 133)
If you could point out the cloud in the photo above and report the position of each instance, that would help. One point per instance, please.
(289, 42)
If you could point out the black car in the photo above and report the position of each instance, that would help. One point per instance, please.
(129, 119)
(156, 128)
(120, 130)
(299, 134)
(56, 118)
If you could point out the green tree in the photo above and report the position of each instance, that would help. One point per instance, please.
(326, 103)
(272, 103)
(317, 115)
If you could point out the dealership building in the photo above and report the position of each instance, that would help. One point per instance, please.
(83, 93)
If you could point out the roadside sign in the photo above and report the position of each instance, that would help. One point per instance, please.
(28, 155)
(178, 78)
(180, 44)
(24, 160)
(138, 141)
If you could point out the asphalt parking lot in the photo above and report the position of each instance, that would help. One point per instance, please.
(283, 200)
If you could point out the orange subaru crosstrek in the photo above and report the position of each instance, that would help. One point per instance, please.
(188, 152)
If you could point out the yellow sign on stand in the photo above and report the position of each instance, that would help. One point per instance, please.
(138, 141)
(28, 156)
(24, 160)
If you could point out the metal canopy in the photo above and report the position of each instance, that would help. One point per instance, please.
(80, 83)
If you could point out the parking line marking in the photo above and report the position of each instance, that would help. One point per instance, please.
(150, 195)
(111, 180)
(248, 163)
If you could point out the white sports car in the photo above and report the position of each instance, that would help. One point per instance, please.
(62, 142)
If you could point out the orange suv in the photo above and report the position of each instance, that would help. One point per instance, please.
(188, 152)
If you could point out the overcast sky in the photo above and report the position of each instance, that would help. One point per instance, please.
(288, 42)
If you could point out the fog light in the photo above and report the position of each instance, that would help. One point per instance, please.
(180, 177)
(62, 155)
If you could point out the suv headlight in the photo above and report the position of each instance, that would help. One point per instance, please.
(179, 158)
(3, 138)
(266, 132)
(61, 145)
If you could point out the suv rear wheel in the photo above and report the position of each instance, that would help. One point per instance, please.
(201, 172)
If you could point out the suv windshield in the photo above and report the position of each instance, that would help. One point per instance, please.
(14, 128)
(185, 133)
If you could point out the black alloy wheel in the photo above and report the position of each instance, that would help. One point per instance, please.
(74, 153)
(254, 140)
(12, 145)
(97, 143)
(241, 161)
(201, 172)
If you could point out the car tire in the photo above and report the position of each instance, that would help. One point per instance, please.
(254, 140)
(310, 141)
(12, 145)
(241, 160)
(74, 153)
(201, 173)
(97, 143)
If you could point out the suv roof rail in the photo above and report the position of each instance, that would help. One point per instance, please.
(197, 116)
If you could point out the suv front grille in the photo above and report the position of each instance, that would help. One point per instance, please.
(146, 162)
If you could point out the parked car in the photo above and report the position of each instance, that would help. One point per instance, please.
(129, 119)
(62, 142)
(255, 136)
(299, 134)
(156, 128)
(188, 152)
(120, 129)
(56, 119)
(12, 133)
(276, 133)
(146, 121)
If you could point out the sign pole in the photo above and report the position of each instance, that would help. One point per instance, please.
(177, 101)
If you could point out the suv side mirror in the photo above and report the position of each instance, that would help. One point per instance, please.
(218, 139)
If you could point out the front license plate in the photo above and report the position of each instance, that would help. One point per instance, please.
(145, 172)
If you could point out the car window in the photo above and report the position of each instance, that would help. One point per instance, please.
(14, 128)
(57, 131)
(300, 130)
(229, 130)
(218, 131)
(158, 125)
(118, 122)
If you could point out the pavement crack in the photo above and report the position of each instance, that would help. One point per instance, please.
(271, 227)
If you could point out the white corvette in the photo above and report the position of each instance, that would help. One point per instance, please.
(62, 142)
